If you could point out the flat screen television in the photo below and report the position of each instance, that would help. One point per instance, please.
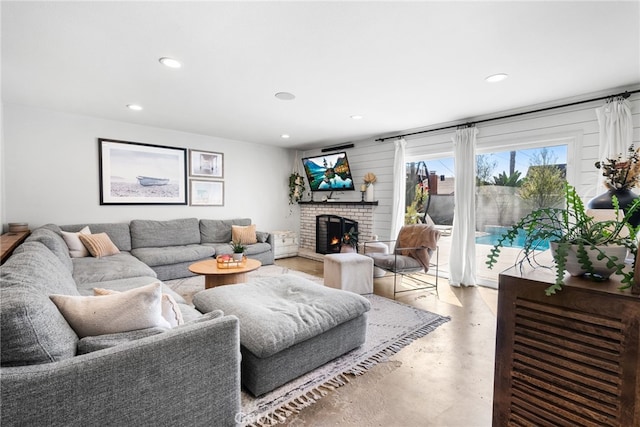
(328, 172)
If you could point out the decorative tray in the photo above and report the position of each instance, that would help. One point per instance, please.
(224, 262)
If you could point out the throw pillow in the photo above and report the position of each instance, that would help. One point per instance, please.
(134, 309)
(99, 245)
(170, 308)
(262, 236)
(76, 248)
(245, 234)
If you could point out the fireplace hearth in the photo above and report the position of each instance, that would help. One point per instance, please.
(329, 230)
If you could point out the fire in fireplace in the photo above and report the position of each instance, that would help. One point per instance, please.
(329, 231)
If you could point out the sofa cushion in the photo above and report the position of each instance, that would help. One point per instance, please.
(99, 245)
(219, 230)
(119, 266)
(173, 254)
(226, 249)
(100, 342)
(126, 284)
(77, 249)
(54, 242)
(119, 233)
(244, 234)
(278, 312)
(158, 234)
(137, 308)
(32, 330)
(170, 309)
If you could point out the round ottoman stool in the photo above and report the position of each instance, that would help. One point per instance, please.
(376, 247)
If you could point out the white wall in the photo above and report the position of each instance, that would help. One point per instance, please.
(576, 126)
(50, 172)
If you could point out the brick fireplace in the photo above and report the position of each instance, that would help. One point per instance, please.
(329, 231)
(360, 212)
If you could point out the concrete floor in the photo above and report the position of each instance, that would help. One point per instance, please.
(443, 379)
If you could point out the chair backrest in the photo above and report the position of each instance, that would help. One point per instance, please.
(418, 241)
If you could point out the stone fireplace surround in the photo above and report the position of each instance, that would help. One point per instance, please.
(362, 212)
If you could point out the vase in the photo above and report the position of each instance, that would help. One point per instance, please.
(369, 195)
(625, 199)
(600, 269)
(238, 256)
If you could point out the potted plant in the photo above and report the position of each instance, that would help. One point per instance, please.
(579, 243)
(296, 187)
(238, 250)
(349, 241)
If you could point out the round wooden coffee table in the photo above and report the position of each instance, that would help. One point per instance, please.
(214, 276)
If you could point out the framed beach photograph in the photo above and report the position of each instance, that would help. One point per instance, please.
(132, 173)
(206, 193)
(206, 164)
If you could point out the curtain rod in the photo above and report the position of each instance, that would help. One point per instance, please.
(624, 94)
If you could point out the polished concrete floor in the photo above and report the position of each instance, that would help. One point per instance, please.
(443, 379)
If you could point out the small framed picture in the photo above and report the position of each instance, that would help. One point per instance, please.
(206, 164)
(206, 193)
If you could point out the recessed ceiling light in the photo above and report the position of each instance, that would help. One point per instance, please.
(356, 117)
(495, 78)
(285, 96)
(170, 62)
(135, 107)
(285, 136)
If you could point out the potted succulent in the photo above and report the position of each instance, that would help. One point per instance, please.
(579, 243)
(238, 250)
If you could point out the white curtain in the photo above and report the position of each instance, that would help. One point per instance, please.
(616, 131)
(399, 181)
(462, 265)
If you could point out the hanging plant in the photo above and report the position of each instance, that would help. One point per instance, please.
(296, 188)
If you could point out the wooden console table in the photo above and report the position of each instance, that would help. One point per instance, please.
(567, 359)
(10, 241)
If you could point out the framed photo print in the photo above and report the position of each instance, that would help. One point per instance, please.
(132, 173)
(206, 164)
(206, 193)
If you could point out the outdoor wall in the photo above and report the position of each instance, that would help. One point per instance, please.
(50, 172)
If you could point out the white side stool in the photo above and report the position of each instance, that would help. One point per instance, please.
(376, 247)
(350, 272)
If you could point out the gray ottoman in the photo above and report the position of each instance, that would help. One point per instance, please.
(288, 326)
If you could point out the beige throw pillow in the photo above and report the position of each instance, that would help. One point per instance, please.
(170, 308)
(99, 245)
(245, 234)
(138, 308)
(76, 248)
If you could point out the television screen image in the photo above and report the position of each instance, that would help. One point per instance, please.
(329, 172)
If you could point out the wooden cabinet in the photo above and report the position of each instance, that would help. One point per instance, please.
(285, 244)
(568, 359)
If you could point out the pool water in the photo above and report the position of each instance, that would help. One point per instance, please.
(496, 232)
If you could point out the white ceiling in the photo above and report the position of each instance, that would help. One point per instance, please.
(401, 65)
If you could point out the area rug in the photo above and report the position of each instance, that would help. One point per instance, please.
(390, 327)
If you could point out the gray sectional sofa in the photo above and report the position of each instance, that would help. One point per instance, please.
(187, 375)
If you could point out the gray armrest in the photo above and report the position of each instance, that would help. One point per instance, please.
(186, 376)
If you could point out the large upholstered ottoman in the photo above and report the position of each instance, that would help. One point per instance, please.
(288, 326)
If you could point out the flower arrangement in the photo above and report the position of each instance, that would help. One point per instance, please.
(621, 174)
(369, 179)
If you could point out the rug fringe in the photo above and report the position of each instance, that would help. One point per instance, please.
(280, 414)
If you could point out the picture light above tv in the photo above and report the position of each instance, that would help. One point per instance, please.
(328, 172)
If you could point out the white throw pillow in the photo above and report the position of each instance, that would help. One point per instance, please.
(170, 308)
(77, 249)
(134, 309)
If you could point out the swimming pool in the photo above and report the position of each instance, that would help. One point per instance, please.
(495, 232)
